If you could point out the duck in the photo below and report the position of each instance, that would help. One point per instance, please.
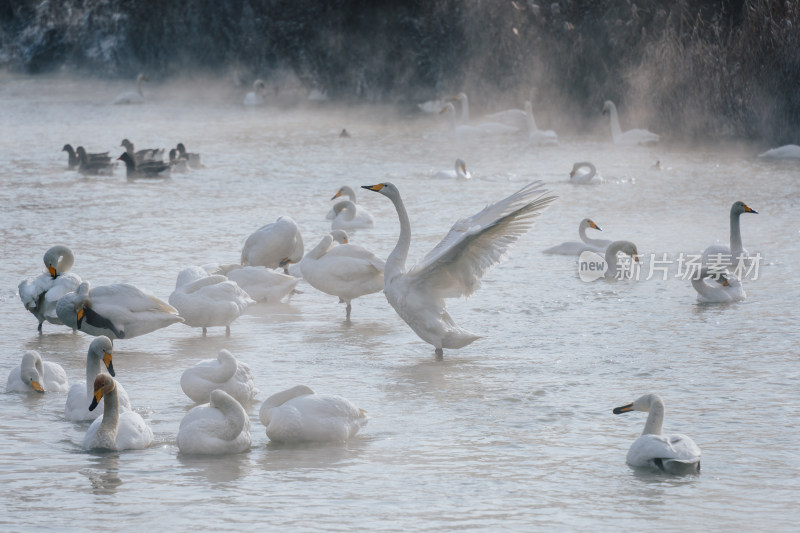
(713, 286)
(733, 257)
(72, 157)
(299, 415)
(177, 164)
(205, 301)
(347, 271)
(225, 373)
(144, 169)
(114, 430)
(617, 267)
(787, 151)
(275, 245)
(361, 212)
(674, 454)
(35, 375)
(456, 265)
(535, 135)
(629, 137)
(99, 165)
(141, 156)
(583, 178)
(459, 172)
(218, 427)
(118, 311)
(195, 160)
(575, 248)
(350, 217)
(99, 358)
(254, 97)
(260, 283)
(132, 97)
(40, 295)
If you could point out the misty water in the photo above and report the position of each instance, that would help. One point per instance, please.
(513, 432)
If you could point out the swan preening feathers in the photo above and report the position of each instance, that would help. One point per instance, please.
(40, 295)
(219, 427)
(224, 373)
(35, 375)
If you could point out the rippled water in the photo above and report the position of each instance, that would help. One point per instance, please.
(514, 432)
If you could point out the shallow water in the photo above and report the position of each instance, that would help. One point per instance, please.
(514, 432)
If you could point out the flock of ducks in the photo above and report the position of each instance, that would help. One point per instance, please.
(147, 163)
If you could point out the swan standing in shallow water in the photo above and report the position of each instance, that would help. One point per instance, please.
(205, 301)
(298, 415)
(98, 358)
(219, 427)
(459, 172)
(721, 287)
(617, 267)
(339, 235)
(456, 265)
(118, 311)
(225, 373)
(347, 271)
(260, 283)
(583, 177)
(40, 295)
(35, 375)
(675, 454)
(133, 97)
(635, 136)
(575, 248)
(731, 256)
(115, 430)
(274, 245)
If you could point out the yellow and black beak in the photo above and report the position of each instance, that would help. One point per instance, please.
(109, 364)
(285, 261)
(337, 195)
(624, 409)
(37, 386)
(747, 209)
(375, 188)
(98, 395)
(52, 270)
(81, 312)
(594, 226)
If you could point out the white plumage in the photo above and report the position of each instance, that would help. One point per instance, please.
(634, 136)
(575, 248)
(35, 375)
(41, 294)
(115, 430)
(98, 359)
(219, 427)
(274, 245)
(225, 373)
(205, 301)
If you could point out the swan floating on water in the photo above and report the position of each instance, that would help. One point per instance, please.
(219, 427)
(115, 430)
(255, 97)
(35, 375)
(459, 172)
(260, 283)
(98, 358)
(534, 133)
(480, 129)
(361, 212)
(350, 217)
(224, 373)
(582, 177)
(788, 151)
(456, 265)
(575, 248)
(617, 267)
(733, 257)
(298, 415)
(133, 97)
(274, 245)
(206, 301)
(347, 271)
(722, 287)
(40, 295)
(117, 311)
(674, 454)
(634, 136)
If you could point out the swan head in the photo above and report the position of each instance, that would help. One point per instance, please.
(259, 85)
(58, 259)
(461, 164)
(387, 189)
(344, 190)
(589, 223)
(644, 403)
(460, 97)
(609, 107)
(81, 301)
(340, 236)
(102, 348)
(32, 370)
(127, 159)
(628, 248)
(181, 149)
(103, 385)
(740, 207)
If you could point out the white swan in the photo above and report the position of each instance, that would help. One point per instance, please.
(98, 358)
(133, 97)
(583, 177)
(115, 430)
(41, 294)
(459, 172)
(481, 129)
(225, 373)
(618, 267)
(351, 217)
(254, 97)
(274, 245)
(298, 415)
(575, 248)
(788, 151)
(119, 311)
(205, 301)
(347, 271)
(361, 211)
(218, 427)
(456, 265)
(675, 454)
(260, 283)
(534, 133)
(635, 136)
(722, 287)
(733, 257)
(431, 106)
(35, 375)
(339, 235)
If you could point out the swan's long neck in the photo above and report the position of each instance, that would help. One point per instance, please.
(110, 422)
(93, 368)
(616, 131)
(588, 240)
(396, 262)
(736, 235)
(590, 166)
(655, 418)
(322, 248)
(233, 412)
(611, 256)
(280, 398)
(529, 117)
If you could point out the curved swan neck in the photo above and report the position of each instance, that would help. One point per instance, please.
(93, 368)
(322, 248)
(232, 410)
(616, 131)
(588, 240)
(280, 398)
(655, 418)
(396, 262)
(110, 411)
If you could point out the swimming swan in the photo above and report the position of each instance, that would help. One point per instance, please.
(459, 172)
(456, 265)
(225, 373)
(298, 415)
(219, 427)
(675, 454)
(575, 248)
(347, 271)
(254, 97)
(635, 136)
(731, 256)
(582, 177)
(534, 133)
(40, 295)
(133, 97)
(619, 267)
(351, 217)
(482, 129)
(274, 245)
(35, 375)
(362, 211)
(117, 311)
(115, 430)
(722, 287)
(98, 358)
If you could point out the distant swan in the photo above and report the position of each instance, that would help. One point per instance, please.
(635, 136)
(459, 172)
(219, 427)
(575, 248)
(274, 245)
(675, 454)
(298, 415)
(118, 311)
(133, 97)
(361, 211)
(721, 287)
(98, 358)
(618, 268)
(731, 256)
(481, 129)
(35, 375)
(205, 301)
(582, 177)
(534, 133)
(351, 217)
(788, 151)
(254, 97)
(260, 283)
(225, 373)
(40, 295)
(456, 265)
(115, 430)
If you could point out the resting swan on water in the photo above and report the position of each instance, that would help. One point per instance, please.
(260, 283)
(583, 177)
(35, 375)
(587, 243)
(721, 287)
(361, 212)
(731, 256)
(133, 97)
(40, 295)
(635, 136)
(618, 267)
(456, 265)
(98, 358)
(115, 430)
(219, 427)
(225, 373)
(459, 172)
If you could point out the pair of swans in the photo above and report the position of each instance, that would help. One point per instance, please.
(132, 97)
(629, 137)
(205, 300)
(733, 257)
(582, 178)
(347, 214)
(225, 373)
(275, 245)
(99, 358)
(717, 287)
(40, 295)
(459, 172)
(35, 375)
(456, 265)
(587, 243)
(118, 311)
(260, 283)
(114, 430)
(674, 454)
